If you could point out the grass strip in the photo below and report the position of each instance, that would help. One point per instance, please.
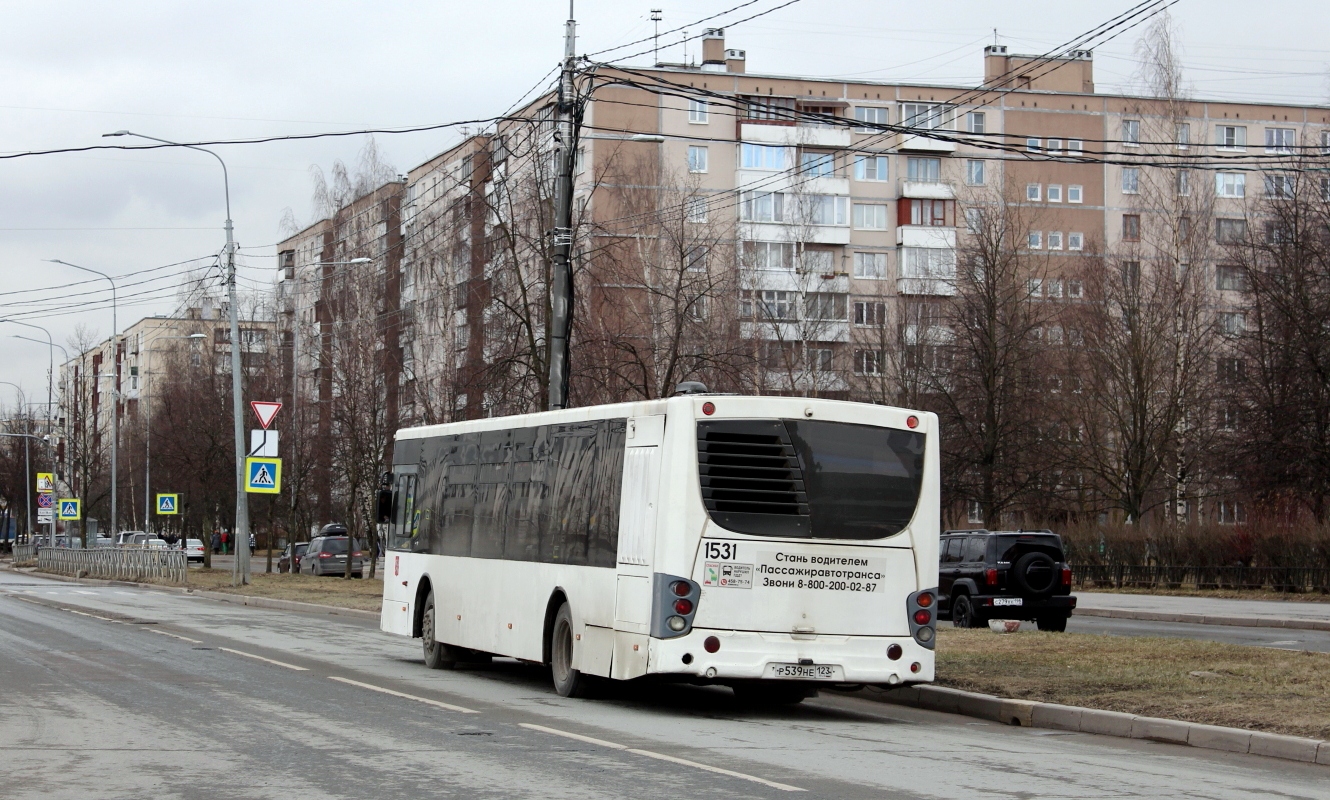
(1256, 688)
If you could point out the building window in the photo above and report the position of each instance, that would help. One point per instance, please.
(974, 172)
(1055, 240)
(763, 156)
(818, 165)
(1232, 323)
(928, 262)
(825, 306)
(1279, 185)
(872, 116)
(870, 265)
(1033, 145)
(1325, 143)
(1229, 370)
(1035, 287)
(1053, 147)
(697, 159)
(776, 306)
(1075, 290)
(1131, 132)
(816, 261)
(1034, 192)
(1131, 227)
(1279, 140)
(1231, 512)
(1054, 287)
(928, 212)
(1055, 193)
(975, 513)
(697, 209)
(698, 113)
(1035, 240)
(695, 260)
(868, 362)
(870, 168)
(771, 255)
(1075, 241)
(1229, 417)
(1231, 184)
(925, 116)
(1184, 182)
(1075, 146)
(1231, 137)
(870, 313)
(762, 207)
(1131, 180)
(1230, 278)
(1074, 193)
(822, 209)
(870, 217)
(1230, 231)
(974, 220)
(768, 108)
(1182, 135)
(974, 122)
(923, 170)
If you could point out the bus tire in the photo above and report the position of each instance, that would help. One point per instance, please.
(962, 612)
(437, 654)
(568, 681)
(772, 693)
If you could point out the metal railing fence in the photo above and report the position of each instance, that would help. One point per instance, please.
(1139, 576)
(25, 553)
(116, 563)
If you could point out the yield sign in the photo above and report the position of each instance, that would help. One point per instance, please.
(265, 411)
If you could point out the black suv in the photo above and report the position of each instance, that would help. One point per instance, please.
(985, 575)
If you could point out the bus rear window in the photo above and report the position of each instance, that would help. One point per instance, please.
(809, 479)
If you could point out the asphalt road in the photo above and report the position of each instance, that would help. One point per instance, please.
(131, 693)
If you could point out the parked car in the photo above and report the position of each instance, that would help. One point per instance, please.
(103, 541)
(153, 543)
(985, 575)
(326, 555)
(130, 538)
(290, 558)
(194, 550)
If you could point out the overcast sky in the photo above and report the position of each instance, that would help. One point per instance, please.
(212, 70)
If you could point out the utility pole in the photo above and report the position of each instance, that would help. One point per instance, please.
(561, 288)
(655, 37)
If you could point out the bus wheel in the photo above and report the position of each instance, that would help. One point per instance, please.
(568, 682)
(766, 693)
(437, 654)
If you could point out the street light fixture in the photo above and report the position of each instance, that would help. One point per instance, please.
(241, 573)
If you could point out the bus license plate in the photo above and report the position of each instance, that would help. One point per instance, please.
(1008, 601)
(806, 672)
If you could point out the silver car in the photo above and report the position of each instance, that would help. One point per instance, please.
(326, 555)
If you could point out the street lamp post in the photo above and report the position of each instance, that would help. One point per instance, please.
(50, 385)
(115, 410)
(241, 574)
(27, 466)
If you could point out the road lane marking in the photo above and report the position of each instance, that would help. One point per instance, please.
(94, 616)
(76, 591)
(426, 700)
(784, 787)
(174, 636)
(261, 658)
(577, 736)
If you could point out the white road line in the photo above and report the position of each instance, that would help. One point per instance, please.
(129, 594)
(94, 616)
(174, 636)
(77, 591)
(426, 700)
(261, 658)
(579, 737)
(784, 787)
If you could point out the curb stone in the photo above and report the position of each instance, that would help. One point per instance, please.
(1206, 619)
(1106, 723)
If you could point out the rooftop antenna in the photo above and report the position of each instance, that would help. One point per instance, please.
(655, 47)
(685, 45)
(995, 39)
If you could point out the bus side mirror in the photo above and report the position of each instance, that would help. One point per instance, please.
(385, 506)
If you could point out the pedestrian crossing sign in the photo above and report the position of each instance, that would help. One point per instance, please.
(263, 475)
(168, 504)
(69, 509)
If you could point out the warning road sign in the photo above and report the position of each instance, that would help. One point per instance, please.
(168, 504)
(265, 411)
(45, 501)
(69, 509)
(45, 482)
(263, 475)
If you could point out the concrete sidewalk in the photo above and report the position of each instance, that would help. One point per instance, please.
(1206, 610)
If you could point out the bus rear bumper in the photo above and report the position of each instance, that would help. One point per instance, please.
(746, 655)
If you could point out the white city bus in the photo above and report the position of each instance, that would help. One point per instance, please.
(767, 543)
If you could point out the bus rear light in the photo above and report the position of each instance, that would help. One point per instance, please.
(711, 644)
(683, 606)
(894, 652)
(708, 408)
(925, 635)
(990, 577)
(919, 615)
(923, 616)
(911, 421)
(1066, 575)
(916, 666)
(681, 588)
(673, 606)
(676, 623)
(925, 600)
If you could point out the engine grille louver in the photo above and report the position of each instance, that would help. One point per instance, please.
(750, 474)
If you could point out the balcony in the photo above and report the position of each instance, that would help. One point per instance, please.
(782, 232)
(925, 236)
(931, 190)
(927, 145)
(807, 330)
(760, 132)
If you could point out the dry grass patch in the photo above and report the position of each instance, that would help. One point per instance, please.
(364, 594)
(1257, 688)
(1229, 594)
